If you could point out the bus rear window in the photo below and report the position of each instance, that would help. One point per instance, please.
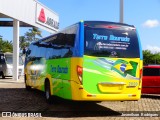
(111, 41)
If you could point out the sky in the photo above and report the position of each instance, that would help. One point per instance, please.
(143, 14)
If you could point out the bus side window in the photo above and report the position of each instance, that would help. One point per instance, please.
(56, 53)
(49, 53)
(66, 52)
(28, 52)
(42, 52)
(36, 51)
(69, 37)
(33, 52)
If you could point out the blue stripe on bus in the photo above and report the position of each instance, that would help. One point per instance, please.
(76, 44)
(81, 39)
(140, 46)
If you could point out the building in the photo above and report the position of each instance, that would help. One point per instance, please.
(26, 13)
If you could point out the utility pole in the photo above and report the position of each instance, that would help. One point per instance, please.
(121, 12)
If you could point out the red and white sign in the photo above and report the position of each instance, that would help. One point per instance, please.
(47, 18)
(42, 17)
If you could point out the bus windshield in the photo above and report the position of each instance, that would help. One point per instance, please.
(111, 41)
(9, 59)
(2, 60)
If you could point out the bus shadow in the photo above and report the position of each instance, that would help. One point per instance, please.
(71, 114)
(152, 96)
(20, 100)
(79, 109)
(5, 78)
(63, 108)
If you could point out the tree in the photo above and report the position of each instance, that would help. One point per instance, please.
(5, 45)
(34, 34)
(156, 58)
(23, 42)
(151, 58)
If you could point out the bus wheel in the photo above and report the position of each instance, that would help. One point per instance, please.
(26, 86)
(48, 92)
(3, 77)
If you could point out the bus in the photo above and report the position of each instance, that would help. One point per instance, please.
(87, 61)
(6, 65)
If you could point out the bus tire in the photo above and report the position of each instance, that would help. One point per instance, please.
(28, 88)
(3, 77)
(48, 92)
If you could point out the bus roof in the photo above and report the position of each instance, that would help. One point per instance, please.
(86, 22)
(108, 22)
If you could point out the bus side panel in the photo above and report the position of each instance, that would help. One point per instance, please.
(28, 73)
(76, 84)
(59, 70)
(78, 91)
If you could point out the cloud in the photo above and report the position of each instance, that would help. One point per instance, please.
(153, 49)
(151, 23)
